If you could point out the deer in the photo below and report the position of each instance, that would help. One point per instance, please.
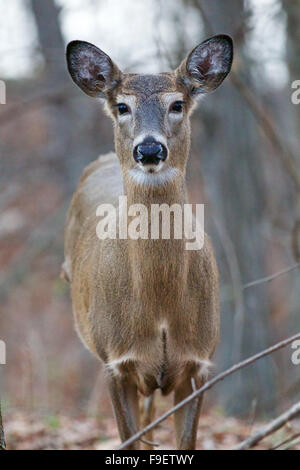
(148, 309)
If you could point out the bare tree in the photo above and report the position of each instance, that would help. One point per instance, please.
(292, 10)
(73, 140)
(50, 37)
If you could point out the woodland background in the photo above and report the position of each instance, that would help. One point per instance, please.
(244, 165)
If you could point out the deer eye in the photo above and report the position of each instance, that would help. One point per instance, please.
(177, 107)
(123, 108)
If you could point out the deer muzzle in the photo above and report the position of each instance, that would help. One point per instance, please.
(150, 152)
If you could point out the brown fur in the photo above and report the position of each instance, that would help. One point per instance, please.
(150, 303)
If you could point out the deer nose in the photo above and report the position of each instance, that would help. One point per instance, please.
(150, 152)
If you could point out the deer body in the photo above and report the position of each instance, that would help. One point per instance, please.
(149, 309)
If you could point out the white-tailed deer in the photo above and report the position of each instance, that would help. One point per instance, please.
(149, 309)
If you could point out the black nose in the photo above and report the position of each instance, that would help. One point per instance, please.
(150, 152)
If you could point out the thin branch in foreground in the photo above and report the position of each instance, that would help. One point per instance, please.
(149, 443)
(286, 441)
(2, 440)
(270, 428)
(207, 386)
(292, 444)
(271, 277)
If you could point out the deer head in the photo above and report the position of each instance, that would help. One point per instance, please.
(151, 113)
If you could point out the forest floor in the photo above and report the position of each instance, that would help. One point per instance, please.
(64, 433)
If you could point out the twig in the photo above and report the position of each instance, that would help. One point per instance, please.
(297, 441)
(286, 441)
(270, 428)
(2, 439)
(253, 413)
(271, 277)
(207, 386)
(149, 443)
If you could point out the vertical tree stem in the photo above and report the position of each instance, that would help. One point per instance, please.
(2, 440)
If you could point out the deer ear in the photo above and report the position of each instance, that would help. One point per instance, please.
(207, 65)
(91, 69)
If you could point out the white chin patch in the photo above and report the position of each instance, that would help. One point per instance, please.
(151, 168)
(153, 175)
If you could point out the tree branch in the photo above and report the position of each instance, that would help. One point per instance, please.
(286, 441)
(292, 444)
(270, 428)
(271, 277)
(207, 386)
(2, 440)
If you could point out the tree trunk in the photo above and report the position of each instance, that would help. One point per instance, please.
(292, 10)
(51, 41)
(76, 128)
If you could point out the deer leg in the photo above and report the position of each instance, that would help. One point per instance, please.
(186, 419)
(124, 397)
(148, 416)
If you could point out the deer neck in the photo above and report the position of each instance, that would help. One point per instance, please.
(172, 191)
(160, 265)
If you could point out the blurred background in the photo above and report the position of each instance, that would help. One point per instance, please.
(244, 165)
